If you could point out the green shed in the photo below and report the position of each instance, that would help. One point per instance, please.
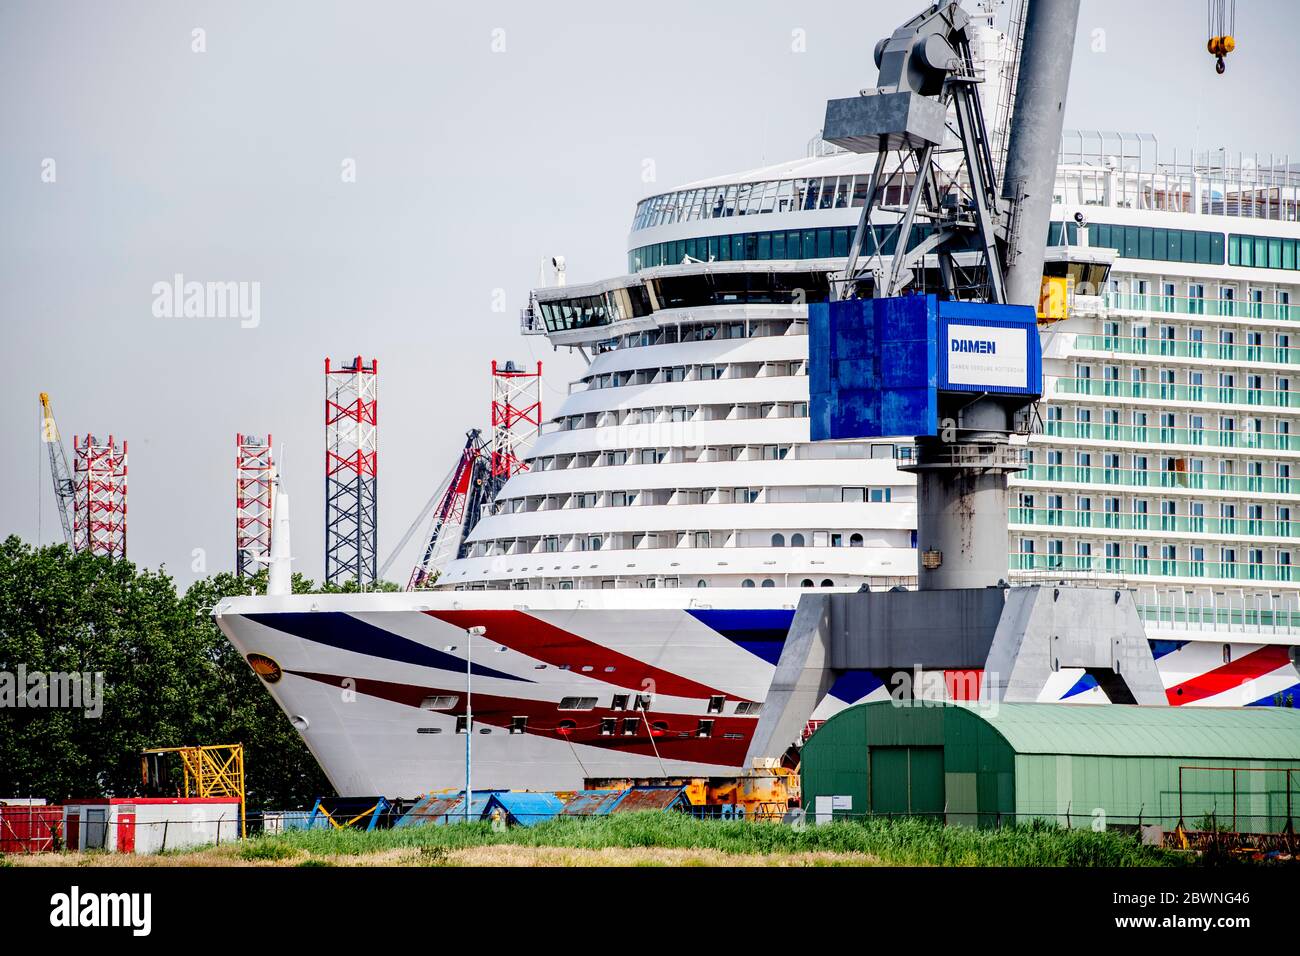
(981, 764)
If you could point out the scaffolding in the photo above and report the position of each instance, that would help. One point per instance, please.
(254, 477)
(212, 770)
(99, 503)
(351, 471)
(516, 416)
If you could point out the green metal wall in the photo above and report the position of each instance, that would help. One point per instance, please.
(1129, 789)
(840, 765)
(985, 781)
(978, 766)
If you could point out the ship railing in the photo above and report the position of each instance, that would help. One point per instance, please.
(1179, 612)
(1198, 306)
(530, 322)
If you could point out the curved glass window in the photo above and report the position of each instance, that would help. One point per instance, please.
(1168, 245)
(806, 583)
(1132, 242)
(778, 540)
(747, 583)
(581, 312)
(828, 583)
(796, 540)
(1263, 252)
(855, 540)
(769, 583)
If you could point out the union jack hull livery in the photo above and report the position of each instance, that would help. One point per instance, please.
(571, 686)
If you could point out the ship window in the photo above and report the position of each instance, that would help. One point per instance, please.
(828, 583)
(837, 540)
(442, 702)
(749, 708)
(607, 725)
(518, 724)
(778, 540)
(796, 540)
(855, 540)
(769, 583)
(705, 729)
(854, 495)
(1227, 653)
(642, 702)
(747, 583)
(577, 703)
(461, 724)
(806, 583)
(629, 726)
(620, 702)
(715, 704)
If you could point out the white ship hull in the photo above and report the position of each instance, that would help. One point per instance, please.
(361, 677)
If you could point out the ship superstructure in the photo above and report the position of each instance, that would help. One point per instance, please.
(636, 582)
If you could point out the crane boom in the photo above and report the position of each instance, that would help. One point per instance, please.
(64, 487)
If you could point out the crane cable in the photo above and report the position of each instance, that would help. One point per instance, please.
(1221, 26)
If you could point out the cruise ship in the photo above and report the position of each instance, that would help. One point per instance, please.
(634, 585)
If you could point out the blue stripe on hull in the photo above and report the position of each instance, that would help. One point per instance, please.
(761, 631)
(1289, 697)
(852, 686)
(347, 633)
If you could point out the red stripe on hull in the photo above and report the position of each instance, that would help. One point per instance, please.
(677, 742)
(1254, 664)
(963, 685)
(555, 646)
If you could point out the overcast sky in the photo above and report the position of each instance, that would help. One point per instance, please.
(484, 137)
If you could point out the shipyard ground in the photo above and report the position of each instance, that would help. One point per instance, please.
(656, 839)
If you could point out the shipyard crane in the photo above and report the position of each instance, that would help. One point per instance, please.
(959, 368)
(65, 489)
(469, 487)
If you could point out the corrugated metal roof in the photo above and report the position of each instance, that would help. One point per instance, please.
(1257, 733)
(592, 803)
(651, 798)
(443, 808)
(526, 809)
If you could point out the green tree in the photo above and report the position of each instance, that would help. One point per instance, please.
(170, 678)
(279, 770)
(77, 613)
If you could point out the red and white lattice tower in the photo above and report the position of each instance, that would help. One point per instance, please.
(516, 416)
(254, 477)
(99, 503)
(351, 471)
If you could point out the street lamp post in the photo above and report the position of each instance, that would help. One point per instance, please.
(470, 634)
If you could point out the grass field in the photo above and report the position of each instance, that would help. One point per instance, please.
(660, 839)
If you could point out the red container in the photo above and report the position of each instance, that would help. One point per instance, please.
(30, 829)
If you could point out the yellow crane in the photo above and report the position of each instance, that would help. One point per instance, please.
(65, 489)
